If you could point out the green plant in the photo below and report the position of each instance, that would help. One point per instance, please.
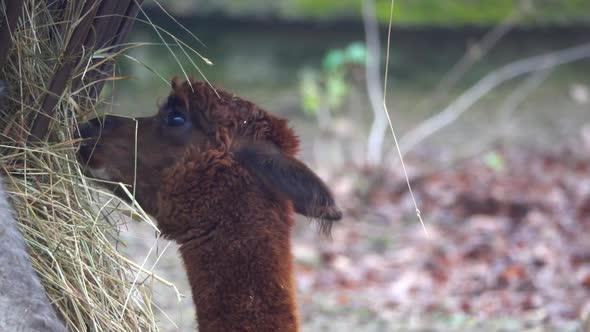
(329, 86)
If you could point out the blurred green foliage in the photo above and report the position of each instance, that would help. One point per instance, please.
(407, 12)
(494, 161)
(329, 86)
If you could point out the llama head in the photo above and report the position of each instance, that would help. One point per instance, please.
(197, 118)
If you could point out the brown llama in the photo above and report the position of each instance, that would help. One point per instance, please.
(219, 174)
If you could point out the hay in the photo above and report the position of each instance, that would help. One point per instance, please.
(73, 244)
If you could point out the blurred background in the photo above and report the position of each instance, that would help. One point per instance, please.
(490, 102)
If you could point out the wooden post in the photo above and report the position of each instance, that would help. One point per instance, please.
(104, 23)
(14, 9)
(69, 60)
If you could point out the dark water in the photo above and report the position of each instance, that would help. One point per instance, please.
(264, 61)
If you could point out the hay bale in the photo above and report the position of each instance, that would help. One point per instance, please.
(23, 303)
(72, 243)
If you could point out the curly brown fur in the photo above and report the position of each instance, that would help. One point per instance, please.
(241, 118)
(237, 255)
(221, 178)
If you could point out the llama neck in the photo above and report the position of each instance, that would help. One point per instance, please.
(241, 275)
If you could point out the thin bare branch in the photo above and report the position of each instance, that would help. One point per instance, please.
(488, 83)
(374, 88)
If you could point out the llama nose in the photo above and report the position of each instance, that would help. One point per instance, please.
(106, 122)
(89, 132)
(85, 152)
(97, 126)
(86, 130)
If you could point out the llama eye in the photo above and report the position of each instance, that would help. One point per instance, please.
(175, 119)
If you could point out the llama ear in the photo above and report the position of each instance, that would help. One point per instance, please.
(289, 177)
